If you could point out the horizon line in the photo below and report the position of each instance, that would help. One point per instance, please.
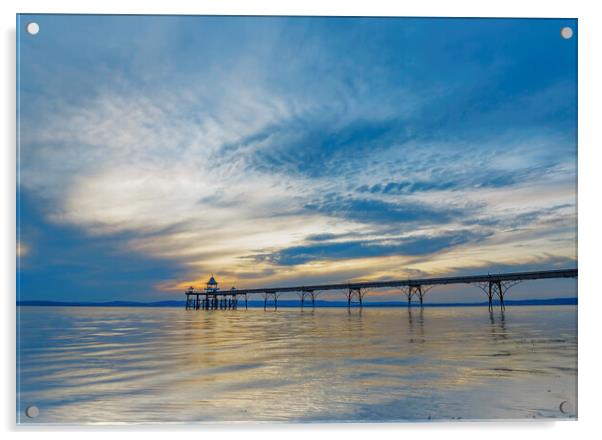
(319, 303)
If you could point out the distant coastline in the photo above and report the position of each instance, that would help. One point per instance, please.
(296, 303)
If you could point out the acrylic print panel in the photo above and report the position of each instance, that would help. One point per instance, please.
(299, 219)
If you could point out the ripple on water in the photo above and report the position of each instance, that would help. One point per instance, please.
(87, 365)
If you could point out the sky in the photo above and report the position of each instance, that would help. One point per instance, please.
(155, 151)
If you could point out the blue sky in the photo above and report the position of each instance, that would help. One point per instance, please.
(272, 150)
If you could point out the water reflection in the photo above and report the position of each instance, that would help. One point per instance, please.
(498, 329)
(416, 326)
(147, 365)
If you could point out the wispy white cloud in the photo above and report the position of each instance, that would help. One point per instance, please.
(255, 153)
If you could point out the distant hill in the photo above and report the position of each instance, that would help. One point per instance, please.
(101, 304)
(296, 303)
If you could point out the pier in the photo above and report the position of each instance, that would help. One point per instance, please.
(493, 285)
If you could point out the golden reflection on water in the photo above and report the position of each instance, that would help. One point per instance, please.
(113, 365)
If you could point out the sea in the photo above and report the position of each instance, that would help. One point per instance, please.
(111, 365)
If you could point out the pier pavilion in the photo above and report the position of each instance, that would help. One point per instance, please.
(212, 297)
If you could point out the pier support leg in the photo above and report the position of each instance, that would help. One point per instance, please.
(418, 290)
(305, 294)
(358, 293)
(267, 295)
(412, 290)
(497, 287)
(501, 295)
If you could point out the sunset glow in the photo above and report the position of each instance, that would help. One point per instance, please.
(283, 152)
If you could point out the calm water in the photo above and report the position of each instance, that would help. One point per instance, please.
(111, 365)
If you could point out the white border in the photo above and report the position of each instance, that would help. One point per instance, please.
(590, 143)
